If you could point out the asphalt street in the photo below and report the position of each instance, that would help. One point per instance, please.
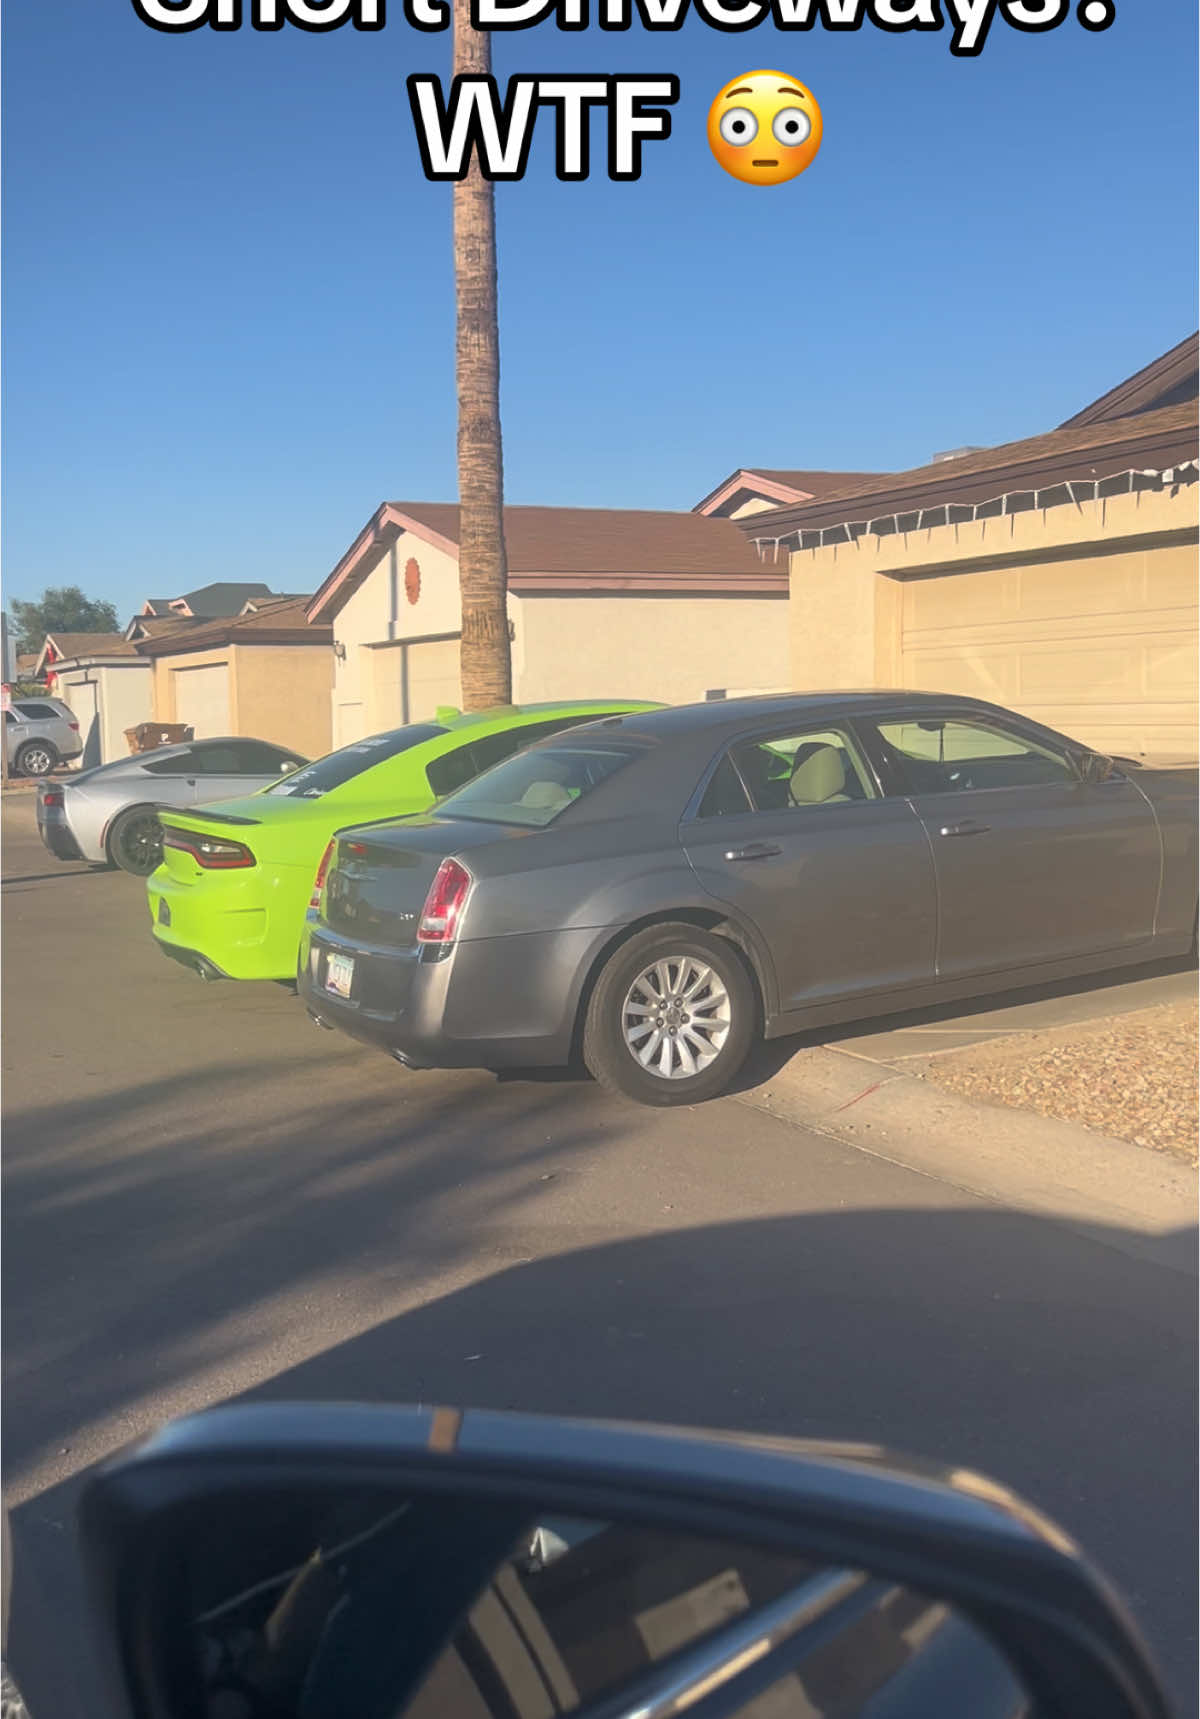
(206, 1197)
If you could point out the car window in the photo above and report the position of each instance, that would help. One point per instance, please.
(40, 712)
(338, 768)
(536, 787)
(725, 796)
(815, 767)
(257, 758)
(936, 756)
(217, 761)
(176, 764)
(455, 769)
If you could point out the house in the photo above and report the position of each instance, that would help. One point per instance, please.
(1056, 575)
(267, 672)
(106, 684)
(601, 603)
(209, 603)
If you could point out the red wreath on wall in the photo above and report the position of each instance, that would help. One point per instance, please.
(412, 580)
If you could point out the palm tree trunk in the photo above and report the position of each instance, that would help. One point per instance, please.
(486, 661)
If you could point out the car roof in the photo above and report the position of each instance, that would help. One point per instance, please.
(731, 714)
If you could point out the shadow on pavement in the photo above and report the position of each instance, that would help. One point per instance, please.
(988, 1338)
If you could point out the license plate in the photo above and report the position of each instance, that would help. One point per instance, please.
(339, 975)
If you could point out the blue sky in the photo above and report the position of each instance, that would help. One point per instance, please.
(228, 288)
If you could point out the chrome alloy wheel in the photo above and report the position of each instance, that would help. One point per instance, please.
(676, 1017)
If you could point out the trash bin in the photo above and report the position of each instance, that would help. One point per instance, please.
(149, 735)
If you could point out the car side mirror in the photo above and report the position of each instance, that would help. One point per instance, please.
(307, 1561)
(1094, 767)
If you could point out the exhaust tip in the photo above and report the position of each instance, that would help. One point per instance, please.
(317, 1020)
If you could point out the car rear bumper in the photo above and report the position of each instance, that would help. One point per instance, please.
(500, 1002)
(57, 837)
(224, 921)
(192, 958)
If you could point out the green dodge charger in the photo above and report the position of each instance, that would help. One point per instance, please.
(230, 897)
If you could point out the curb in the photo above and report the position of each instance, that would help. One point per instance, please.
(1123, 1195)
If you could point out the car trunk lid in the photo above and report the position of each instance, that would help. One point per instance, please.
(379, 876)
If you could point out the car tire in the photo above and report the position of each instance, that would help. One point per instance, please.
(679, 963)
(35, 758)
(132, 842)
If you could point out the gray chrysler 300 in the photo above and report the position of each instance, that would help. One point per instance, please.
(659, 890)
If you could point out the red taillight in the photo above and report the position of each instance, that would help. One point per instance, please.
(214, 853)
(444, 903)
(314, 899)
(73, 725)
(52, 796)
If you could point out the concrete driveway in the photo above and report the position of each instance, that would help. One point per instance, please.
(205, 1197)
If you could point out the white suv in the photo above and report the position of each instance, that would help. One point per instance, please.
(40, 733)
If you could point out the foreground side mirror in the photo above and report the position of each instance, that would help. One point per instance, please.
(314, 1562)
(1094, 767)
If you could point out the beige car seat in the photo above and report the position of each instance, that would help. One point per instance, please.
(818, 777)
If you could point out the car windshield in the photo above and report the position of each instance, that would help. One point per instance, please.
(537, 787)
(338, 768)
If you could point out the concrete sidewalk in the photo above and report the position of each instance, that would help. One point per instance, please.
(1093, 1182)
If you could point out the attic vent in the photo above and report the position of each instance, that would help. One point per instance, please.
(957, 454)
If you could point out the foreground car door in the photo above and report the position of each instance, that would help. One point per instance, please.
(1033, 864)
(794, 831)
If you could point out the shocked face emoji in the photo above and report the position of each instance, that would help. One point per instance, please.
(764, 127)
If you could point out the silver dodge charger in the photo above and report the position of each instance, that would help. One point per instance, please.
(657, 891)
(107, 815)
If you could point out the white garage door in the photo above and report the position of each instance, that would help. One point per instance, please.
(411, 679)
(1103, 649)
(202, 699)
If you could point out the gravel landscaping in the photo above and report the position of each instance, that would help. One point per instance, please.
(1133, 1076)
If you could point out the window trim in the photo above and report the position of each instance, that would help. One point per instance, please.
(1028, 734)
(844, 726)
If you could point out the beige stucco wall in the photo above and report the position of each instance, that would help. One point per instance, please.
(671, 649)
(276, 692)
(1082, 617)
(380, 612)
(281, 693)
(125, 700)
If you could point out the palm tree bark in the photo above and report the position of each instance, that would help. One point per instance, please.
(485, 659)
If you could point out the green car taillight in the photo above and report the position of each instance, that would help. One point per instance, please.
(211, 852)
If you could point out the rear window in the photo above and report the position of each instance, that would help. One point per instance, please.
(537, 787)
(40, 712)
(338, 768)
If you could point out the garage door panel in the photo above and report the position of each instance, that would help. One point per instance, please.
(1103, 648)
(202, 699)
(1172, 670)
(410, 680)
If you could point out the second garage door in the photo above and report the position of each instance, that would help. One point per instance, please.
(411, 678)
(1103, 649)
(202, 699)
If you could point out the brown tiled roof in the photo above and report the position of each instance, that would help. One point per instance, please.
(70, 645)
(154, 626)
(1148, 439)
(281, 622)
(1168, 380)
(576, 549)
(759, 479)
(815, 483)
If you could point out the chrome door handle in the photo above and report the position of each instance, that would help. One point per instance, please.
(753, 850)
(968, 827)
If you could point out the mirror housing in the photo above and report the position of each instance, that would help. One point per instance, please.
(1093, 767)
(949, 1535)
